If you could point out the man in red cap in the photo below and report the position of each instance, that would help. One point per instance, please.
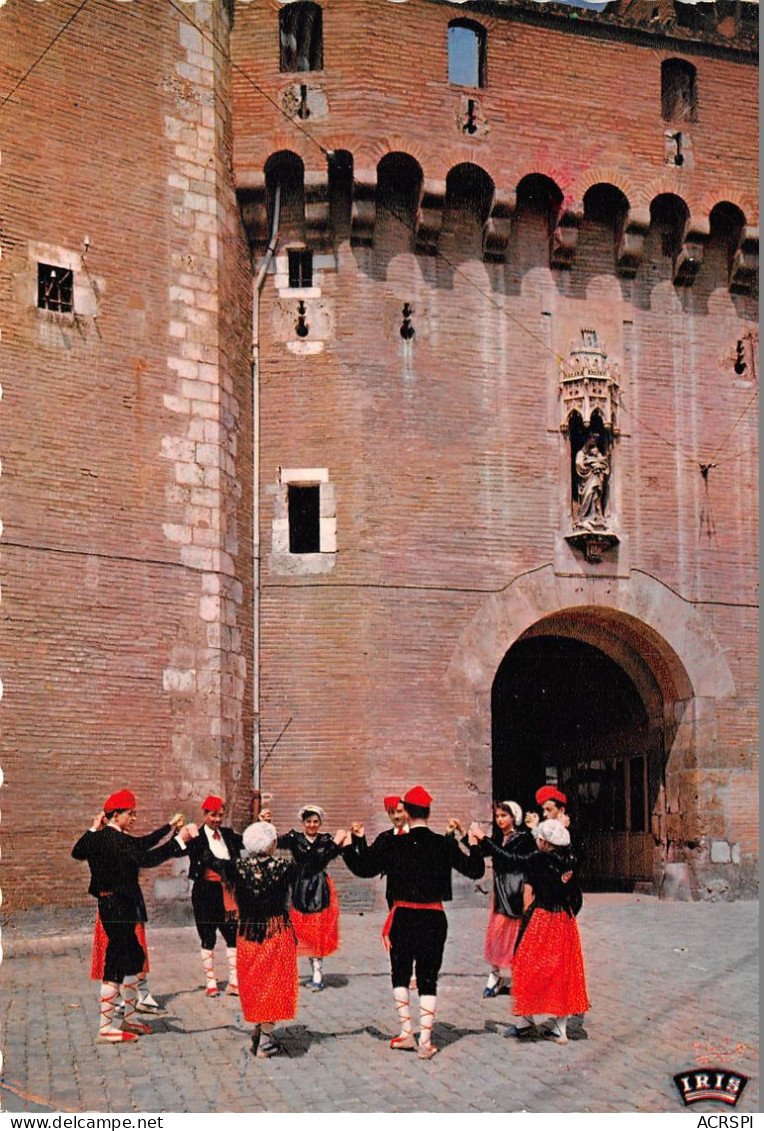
(212, 899)
(397, 814)
(553, 803)
(418, 867)
(115, 859)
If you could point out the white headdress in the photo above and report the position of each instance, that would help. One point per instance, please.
(259, 838)
(553, 832)
(513, 808)
(308, 809)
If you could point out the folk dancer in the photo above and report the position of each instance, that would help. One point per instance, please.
(548, 969)
(509, 848)
(399, 825)
(212, 896)
(418, 867)
(554, 807)
(146, 1003)
(267, 944)
(115, 858)
(315, 909)
(553, 804)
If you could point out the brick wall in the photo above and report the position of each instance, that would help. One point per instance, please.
(445, 452)
(123, 605)
(128, 438)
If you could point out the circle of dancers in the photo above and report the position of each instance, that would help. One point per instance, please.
(270, 899)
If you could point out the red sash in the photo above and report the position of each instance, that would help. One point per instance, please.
(405, 903)
(229, 899)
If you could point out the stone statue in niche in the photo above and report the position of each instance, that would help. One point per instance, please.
(589, 393)
(592, 473)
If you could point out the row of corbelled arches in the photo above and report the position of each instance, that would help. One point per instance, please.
(469, 218)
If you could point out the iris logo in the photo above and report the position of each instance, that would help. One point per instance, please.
(710, 1084)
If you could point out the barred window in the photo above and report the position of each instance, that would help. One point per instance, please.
(55, 288)
(300, 268)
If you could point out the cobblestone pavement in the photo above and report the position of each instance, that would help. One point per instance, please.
(672, 986)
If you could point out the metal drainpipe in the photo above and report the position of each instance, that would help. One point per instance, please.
(256, 289)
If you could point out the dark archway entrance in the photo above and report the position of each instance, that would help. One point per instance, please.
(563, 710)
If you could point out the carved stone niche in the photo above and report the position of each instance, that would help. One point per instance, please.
(589, 384)
(589, 418)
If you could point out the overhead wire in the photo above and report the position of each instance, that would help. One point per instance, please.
(31, 69)
(402, 219)
(438, 252)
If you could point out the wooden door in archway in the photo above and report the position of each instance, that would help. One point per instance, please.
(563, 711)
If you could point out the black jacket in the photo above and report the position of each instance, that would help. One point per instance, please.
(201, 856)
(550, 892)
(509, 869)
(352, 857)
(418, 865)
(310, 887)
(116, 858)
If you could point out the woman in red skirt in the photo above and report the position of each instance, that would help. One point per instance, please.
(548, 970)
(315, 910)
(509, 847)
(266, 947)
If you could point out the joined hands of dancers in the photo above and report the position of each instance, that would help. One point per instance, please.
(269, 909)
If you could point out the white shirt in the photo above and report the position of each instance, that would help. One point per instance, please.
(217, 844)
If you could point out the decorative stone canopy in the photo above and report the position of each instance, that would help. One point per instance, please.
(588, 384)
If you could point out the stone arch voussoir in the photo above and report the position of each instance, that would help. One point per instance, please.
(669, 632)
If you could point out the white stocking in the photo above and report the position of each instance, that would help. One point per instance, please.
(208, 961)
(426, 1017)
(109, 995)
(144, 993)
(401, 996)
(129, 996)
(233, 979)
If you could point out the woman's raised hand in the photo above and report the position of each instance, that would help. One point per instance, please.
(475, 833)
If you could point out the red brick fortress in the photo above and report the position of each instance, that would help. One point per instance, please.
(318, 519)
(477, 249)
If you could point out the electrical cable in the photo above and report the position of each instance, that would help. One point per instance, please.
(438, 253)
(64, 27)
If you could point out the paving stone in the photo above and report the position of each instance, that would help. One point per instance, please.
(666, 996)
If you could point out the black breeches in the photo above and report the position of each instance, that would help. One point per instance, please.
(417, 939)
(210, 914)
(124, 954)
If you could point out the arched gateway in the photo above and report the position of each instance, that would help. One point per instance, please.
(607, 687)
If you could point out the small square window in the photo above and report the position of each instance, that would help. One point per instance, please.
(304, 506)
(300, 268)
(55, 288)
